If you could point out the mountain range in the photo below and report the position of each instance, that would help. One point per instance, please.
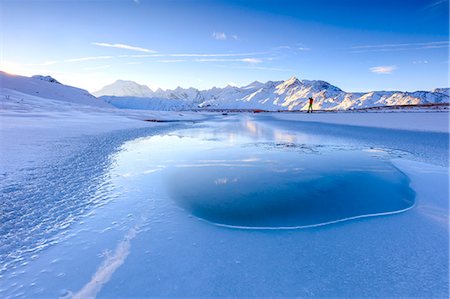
(290, 94)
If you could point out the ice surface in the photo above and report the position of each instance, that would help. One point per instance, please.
(425, 121)
(175, 254)
(43, 200)
(249, 181)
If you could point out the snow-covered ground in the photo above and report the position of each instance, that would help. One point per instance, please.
(86, 212)
(52, 156)
(415, 121)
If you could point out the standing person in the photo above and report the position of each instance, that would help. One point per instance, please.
(310, 108)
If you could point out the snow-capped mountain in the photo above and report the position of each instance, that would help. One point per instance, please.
(48, 88)
(442, 90)
(291, 94)
(122, 88)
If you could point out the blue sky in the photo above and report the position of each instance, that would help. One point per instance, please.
(356, 45)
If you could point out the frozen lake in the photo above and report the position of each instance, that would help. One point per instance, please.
(243, 174)
(237, 206)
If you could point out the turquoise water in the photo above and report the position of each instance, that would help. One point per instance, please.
(245, 175)
(256, 187)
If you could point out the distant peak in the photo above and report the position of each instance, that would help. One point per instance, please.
(125, 82)
(289, 83)
(292, 79)
(128, 84)
(255, 84)
(125, 88)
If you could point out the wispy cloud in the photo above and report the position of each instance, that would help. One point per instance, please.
(137, 1)
(140, 55)
(224, 36)
(203, 57)
(434, 46)
(291, 49)
(283, 48)
(123, 46)
(247, 60)
(171, 60)
(436, 4)
(208, 58)
(382, 50)
(219, 35)
(383, 69)
(193, 55)
(251, 60)
(216, 54)
(87, 58)
(255, 67)
(399, 47)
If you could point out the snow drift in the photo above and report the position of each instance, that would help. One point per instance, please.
(49, 88)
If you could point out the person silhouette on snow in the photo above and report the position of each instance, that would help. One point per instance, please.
(310, 108)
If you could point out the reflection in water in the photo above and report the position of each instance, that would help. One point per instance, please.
(281, 136)
(252, 127)
(236, 132)
(244, 174)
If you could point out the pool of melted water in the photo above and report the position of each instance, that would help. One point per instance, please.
(245, 174)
